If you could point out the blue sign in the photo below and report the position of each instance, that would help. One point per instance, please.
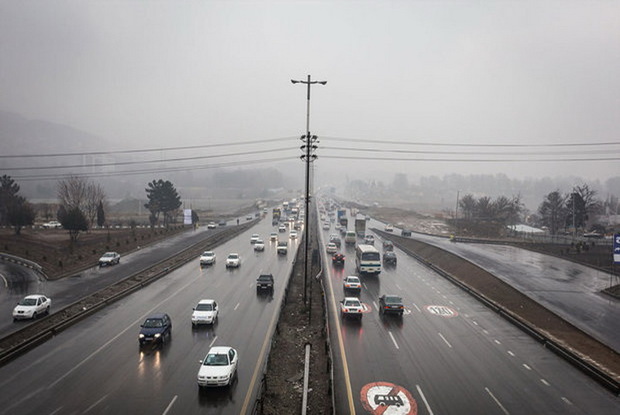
(617, 248)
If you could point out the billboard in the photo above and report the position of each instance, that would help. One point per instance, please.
(617, 248)
(187, 216)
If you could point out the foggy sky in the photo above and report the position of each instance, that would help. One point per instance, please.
(171, 73)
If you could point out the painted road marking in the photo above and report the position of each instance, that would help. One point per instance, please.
(417, 308)
(393, 339)
(384, 398)
(497, 401)
(428, 407)
(444, 339)
(170, 405)
(441, 310)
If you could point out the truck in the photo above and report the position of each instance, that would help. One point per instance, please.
(360, 227)
(342, 217)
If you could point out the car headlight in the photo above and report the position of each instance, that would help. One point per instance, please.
(158, 335)
(141, 336)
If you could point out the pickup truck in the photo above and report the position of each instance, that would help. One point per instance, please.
(264, 282)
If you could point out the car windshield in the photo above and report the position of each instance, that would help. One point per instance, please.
(216, 360)
(108, 254)
(204, 307)
(153, 323)
(28, 301)
(352, 303)
(207, 254)
(233, 256)
(393, 300)
(353, 279)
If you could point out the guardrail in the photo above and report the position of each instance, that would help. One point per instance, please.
(21, 261)
(585, 366)
(38, 332)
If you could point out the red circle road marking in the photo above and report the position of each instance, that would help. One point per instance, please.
(384, 398)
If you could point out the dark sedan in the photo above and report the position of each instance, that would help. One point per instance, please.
(157, 328)
(391, 304)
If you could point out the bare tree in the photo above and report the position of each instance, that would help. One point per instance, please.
(78, 193)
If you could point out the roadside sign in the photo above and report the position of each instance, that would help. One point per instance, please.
(617, 248)
(441, 310)
(384, 398)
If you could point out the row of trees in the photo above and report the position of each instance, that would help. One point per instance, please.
(81, 204)
(569, 211)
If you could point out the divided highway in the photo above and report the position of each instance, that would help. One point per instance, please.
(97, 367)
(447, 355)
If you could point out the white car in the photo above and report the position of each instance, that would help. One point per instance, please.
(32, 306)
(326, 226)
(233, 260)
(259, 245)
(273, 236)
(205, 312)
(211, 225)
(54, 224)
(352, 283)
(207, 258)
(109, 258)
(389, 228)
(255, 237)
(219, 367)
(351, 307)
(293, 234)
(331, 248)
(369, 240)
(282, 228)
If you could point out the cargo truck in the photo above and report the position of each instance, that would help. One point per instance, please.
(360, 227)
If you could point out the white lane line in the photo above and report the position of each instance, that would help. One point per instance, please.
(170, 405)
(545, 382)
(212, 341)
(497, 401)
(428, 407)
(511, 353)
(236, 307)
(106, 344)
(527, 367)
(475, 322)
(497, 341)
(398, 287)
(444, 339)
(566, 400)
(485, 331)
(95, 404)
(393, 339)
(365, 286)
(6, 283)
(375, 305)
(417, 308)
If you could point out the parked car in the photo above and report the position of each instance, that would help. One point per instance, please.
(389, 258)
(53, 224)
(249, 217)
(32, 306)
(405, 232)
(264, 282)
(389, 228)
(205, 312)
(233, 260)
(207, 258)
(351, 307)
(219, 367)
(109, 258)
(331, 248)
(352, 283)
(391, 304)
(222, 223)
(259, 245)
(338, 259)
(211, 225)
(157, 328)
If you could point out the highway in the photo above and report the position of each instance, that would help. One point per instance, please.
(447, 355)
(97, 367)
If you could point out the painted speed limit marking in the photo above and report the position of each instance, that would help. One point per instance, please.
(441, 310)
(384, 398)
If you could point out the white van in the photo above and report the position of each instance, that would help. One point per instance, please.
(350, 238)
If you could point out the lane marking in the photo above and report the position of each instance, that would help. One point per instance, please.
(375, 304)
(212, 341)
(6, 283)
(96, 403)
(428, 407)
(444, 339)
(393, 339)
(511, 353)
(497, 401)
(170, 405)
(106, 344)
(527, 367)
(545, 382)
(497, 341)
(566, 400)
(236, 307)
(417, 308)
(398, 287)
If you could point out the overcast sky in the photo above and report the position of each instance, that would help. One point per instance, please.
(146, 74)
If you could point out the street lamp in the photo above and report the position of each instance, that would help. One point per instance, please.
(309, 157)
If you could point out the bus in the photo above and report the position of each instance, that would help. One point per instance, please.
(367, 259)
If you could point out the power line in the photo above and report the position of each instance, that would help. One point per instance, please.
(470, 160)
(148, 150)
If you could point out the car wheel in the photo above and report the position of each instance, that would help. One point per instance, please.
(47, 310)
(34, 315)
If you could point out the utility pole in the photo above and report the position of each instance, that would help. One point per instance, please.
(309, 156)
